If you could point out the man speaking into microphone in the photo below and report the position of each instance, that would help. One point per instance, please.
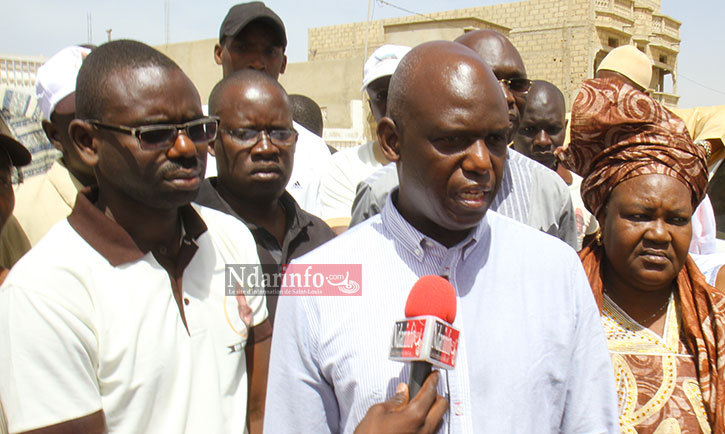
(531, 356)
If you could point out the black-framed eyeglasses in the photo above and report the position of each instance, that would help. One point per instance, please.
(163, 136)
(518, 85)
(248, 137)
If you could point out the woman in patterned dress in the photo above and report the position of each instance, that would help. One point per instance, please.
(665, 326)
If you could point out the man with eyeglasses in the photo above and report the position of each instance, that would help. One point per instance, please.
(252, 36)
(254, 151)
(118, 321)
(529, 193)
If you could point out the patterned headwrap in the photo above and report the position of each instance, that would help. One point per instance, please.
(619, 132)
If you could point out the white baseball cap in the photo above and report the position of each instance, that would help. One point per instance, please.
(56, 79)
(382, 62)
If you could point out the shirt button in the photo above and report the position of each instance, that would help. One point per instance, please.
(459, 409)
(186, 301)
(418, 252)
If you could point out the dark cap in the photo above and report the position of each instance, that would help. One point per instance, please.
(242, 14)
(19, 156)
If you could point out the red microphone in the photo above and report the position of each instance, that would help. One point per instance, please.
(426, 337)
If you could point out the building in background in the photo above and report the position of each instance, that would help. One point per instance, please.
(20, 115)
(561, 41)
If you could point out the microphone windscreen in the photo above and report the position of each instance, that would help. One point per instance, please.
(432, 295)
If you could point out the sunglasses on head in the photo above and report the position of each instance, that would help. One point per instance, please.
(163, 136)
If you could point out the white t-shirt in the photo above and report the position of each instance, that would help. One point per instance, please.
(310, 160)
(81, 335)
(346, 169)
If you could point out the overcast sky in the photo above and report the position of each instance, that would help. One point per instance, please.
(42, 27)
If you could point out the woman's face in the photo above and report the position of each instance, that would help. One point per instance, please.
(646, 231)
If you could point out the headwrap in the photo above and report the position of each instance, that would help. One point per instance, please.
(618, 132)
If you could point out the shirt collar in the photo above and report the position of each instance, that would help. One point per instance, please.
(111, 240)
(296, 218)
(417, 243)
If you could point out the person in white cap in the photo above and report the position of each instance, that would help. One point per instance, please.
(350, 166)
(628, 64)
(44, 200)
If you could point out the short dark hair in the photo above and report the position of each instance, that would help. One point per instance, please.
(103, 62)
(306, 112)
(245, 76)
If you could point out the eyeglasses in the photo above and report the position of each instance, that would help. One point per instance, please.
(518, 85)
(248, 137)
(163, 136)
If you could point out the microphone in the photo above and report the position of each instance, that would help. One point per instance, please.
(426, 337)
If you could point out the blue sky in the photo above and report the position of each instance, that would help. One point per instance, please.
(42, 27)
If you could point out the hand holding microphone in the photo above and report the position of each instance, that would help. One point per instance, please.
(425, 338)
(421, 415)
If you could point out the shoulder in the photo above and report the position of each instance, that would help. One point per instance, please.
(520, 240)
(351, 245)
(318, 229)
(227, 232)
(59, 266)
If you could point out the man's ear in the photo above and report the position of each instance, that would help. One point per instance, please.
(218, 53)
(284, 64)
(82, 135)
(389, 139)
(53, 134)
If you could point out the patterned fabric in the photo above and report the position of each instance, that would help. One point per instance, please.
(20, 112)
(618, 132)
(703, 328)
(656, 376)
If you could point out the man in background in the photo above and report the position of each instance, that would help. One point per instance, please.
(542, 130)
(252, 36)
(254, 153)
(351, 166)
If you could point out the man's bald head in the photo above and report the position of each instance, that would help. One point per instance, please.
(504, 59)
(452, 68)
(245, 78)
(495, 49)
(543, 126)
(446, 130)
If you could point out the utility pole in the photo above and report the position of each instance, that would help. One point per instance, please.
(90, 28)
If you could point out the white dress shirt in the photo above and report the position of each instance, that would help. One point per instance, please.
(532, 356)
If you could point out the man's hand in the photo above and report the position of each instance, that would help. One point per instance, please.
(422, 415)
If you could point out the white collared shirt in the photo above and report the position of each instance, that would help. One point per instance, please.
(532, 358)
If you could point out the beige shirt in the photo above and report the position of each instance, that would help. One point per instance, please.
(40, 203)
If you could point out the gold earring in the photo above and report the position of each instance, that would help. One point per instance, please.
(598, 237)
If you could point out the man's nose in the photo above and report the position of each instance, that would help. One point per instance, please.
(478, 157)
(183, 147)
(542, 140)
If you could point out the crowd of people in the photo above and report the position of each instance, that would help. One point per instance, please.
(581, 247)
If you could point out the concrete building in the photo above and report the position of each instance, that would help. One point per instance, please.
(561, 41)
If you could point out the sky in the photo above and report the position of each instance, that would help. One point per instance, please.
(42, 27)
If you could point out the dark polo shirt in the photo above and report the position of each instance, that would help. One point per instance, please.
(305, 232)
